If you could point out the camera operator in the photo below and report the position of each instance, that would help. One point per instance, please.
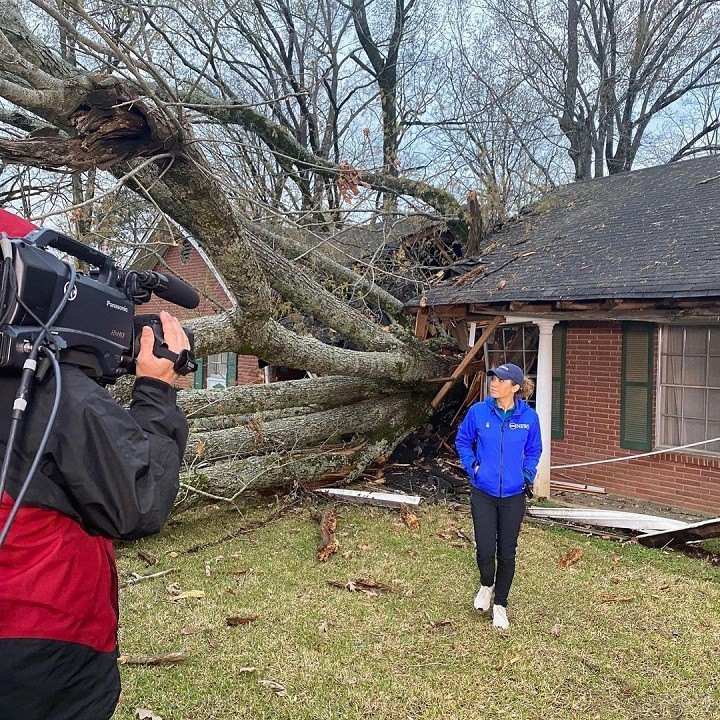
(106, 473)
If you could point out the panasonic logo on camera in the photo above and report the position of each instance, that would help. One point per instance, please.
(115, 306)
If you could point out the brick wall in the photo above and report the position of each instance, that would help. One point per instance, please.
(592, 431)
(213, 299)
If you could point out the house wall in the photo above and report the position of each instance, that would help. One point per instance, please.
(592, 431)
(213, 299)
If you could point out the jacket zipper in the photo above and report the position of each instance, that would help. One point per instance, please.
(502, 444)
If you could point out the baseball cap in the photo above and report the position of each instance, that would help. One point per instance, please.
(508, 371)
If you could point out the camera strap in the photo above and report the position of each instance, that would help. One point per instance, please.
(184, 362)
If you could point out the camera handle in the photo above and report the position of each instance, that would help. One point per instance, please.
(184, 362)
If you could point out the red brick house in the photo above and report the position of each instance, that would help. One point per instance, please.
(610, 294)
(190, 263)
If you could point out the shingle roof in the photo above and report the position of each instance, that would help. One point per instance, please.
(652, 233)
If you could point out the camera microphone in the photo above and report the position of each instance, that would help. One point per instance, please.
(169, 288)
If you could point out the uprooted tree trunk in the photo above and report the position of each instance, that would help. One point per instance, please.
(244, 437)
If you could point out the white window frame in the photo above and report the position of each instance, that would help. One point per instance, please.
(661, 389)
(219, 360)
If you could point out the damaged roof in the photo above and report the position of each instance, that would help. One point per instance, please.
(652, 233)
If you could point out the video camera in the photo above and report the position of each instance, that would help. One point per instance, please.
(96, 327)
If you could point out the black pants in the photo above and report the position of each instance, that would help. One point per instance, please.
(497, 526)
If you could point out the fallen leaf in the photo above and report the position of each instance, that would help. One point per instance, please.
(143, 714)
(147, 558)
(409, 518)
(441, 623)
(556, 629)
(236, 620)
(616, 598)
(571, 558)
(277, 688)
(246, 670)
(190, 630)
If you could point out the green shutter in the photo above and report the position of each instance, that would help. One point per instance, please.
(559, 341)
(637, 386)
(199, 374)
(231, 369)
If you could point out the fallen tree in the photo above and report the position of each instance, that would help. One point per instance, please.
(130, 124)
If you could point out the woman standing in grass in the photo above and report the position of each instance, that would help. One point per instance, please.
(499, 445)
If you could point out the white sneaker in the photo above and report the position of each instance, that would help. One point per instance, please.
(482, 599)
(500, 618)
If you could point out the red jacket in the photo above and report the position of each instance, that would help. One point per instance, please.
(105, 473)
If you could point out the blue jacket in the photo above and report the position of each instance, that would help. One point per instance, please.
(507, 451)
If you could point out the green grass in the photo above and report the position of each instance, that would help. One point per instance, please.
(419, 650)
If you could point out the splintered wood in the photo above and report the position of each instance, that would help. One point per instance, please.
(328, 542)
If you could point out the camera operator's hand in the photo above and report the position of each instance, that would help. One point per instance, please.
(148, 365)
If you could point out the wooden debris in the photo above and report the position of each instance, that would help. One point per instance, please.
(366, 586)
(576, 487)
(236, 620)
(704, 530)
(170, 659)
(136, 578)
(188, 594)
(392, 500)
(489, 330)
(328, 542)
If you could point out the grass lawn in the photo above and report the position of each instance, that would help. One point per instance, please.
(624, 633)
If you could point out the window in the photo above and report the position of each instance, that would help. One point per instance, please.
(636, 385)
(216, 371)
(517, 344)
(689, 392)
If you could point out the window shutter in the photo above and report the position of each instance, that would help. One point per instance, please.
(636, 386)
(232, 361)
(559, 338)
(199, 373)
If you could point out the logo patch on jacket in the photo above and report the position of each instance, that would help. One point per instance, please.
(519, 426)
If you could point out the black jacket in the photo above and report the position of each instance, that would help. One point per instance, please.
(105, 473)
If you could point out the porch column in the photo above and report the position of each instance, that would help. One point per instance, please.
(543, 403)
(543, 397)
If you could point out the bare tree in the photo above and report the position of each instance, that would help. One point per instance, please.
(606, 69)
